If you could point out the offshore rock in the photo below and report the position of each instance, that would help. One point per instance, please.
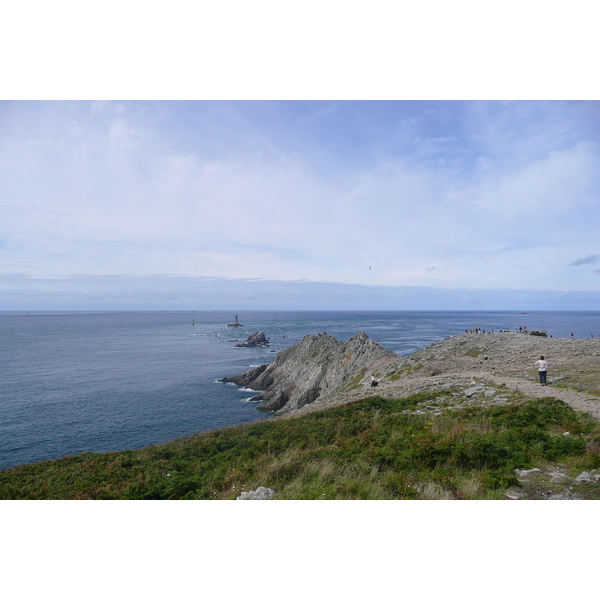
(255, 340)
(246, 377)
(317, 368)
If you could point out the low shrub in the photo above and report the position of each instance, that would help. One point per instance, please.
(374, 448)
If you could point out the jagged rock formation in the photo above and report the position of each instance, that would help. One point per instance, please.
(254, 340)
(235, 323)
(318, 368)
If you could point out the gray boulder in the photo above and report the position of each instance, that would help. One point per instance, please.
(524, 473)
(477, 389)
(587, 477)
(261, 493)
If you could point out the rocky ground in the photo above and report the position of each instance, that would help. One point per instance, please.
(487, 369)
(493, 369)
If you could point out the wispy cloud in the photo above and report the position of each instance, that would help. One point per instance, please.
(592, 259)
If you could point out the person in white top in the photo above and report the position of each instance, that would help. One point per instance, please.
(542, 367)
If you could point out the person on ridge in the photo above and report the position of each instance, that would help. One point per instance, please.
(542, 367)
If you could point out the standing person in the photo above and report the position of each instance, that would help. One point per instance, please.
(542, 367)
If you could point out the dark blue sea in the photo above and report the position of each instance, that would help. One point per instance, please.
(77, 382)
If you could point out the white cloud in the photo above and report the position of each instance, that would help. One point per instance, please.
(563, 181)
(102, 188)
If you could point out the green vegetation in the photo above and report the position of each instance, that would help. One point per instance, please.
(354, 383)
(475, 352)
(371, 449)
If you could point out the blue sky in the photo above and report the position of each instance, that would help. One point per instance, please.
(500, 199)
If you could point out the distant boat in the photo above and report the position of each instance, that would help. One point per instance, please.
(235, 323)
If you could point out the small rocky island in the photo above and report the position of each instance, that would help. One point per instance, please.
(235, 323)
(255, 340)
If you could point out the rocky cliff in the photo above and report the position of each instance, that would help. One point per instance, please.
(318, 368)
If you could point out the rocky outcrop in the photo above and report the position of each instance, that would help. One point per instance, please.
(553, 482)
(246, 378)
(255, 340)
(260, 493)
(318, 368)
(539, 332)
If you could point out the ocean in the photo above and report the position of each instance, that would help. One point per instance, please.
(73, 382)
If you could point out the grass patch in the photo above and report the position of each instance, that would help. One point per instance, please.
(586, 380)
(369, 449)
(475, 352)
(354, 383)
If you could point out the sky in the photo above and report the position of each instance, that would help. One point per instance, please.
(477, 196)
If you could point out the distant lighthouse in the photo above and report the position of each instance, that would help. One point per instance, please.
(235, 323)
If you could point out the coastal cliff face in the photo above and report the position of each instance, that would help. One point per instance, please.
(318, 368)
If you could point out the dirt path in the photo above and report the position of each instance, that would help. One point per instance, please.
(580, 401)
(577, 400)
